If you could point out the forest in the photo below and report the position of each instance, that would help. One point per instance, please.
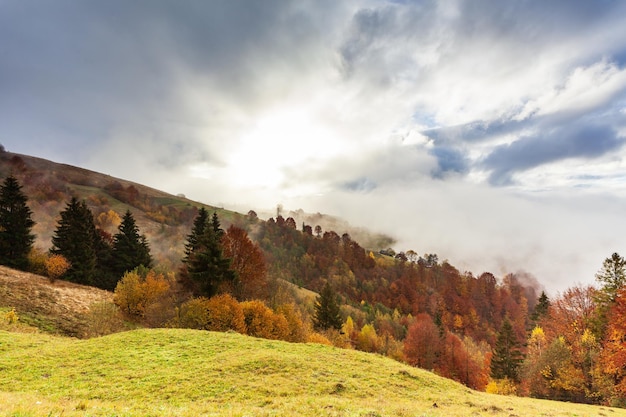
(277, 279)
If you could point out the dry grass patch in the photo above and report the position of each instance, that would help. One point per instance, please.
(60, 307)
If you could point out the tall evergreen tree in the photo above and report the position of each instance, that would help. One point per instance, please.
(104, 277)
(130, 249)
(541, 309)
(612, 278)
(507, 356)
(75, 238)
(215, 224)
(327, 310)
(16, 239)
(206, 267)
(199, 225)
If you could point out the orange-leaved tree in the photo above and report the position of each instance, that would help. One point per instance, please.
(422, 343)
(225, 313)
(220, 313)
(56, 266)
(261, 321)
(248, 263)
(613, 356)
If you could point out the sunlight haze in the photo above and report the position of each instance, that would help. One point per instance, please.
(489, 133)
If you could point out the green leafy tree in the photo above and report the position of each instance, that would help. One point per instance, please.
(327, 314)
(130, 249)
(76, 239)
(507, 356)
(205, 266)
(16, 239)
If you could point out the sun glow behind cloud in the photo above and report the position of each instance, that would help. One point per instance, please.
(441, 122)
(277, 142)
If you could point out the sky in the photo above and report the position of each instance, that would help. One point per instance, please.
(488, 132)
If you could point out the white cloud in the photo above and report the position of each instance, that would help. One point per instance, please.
(333, 106)
(585, 89)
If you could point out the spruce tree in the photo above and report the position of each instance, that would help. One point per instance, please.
(507, 356)
(130, 249)
(612, 278)
(75, 238)
(327, 314)
(16, 239)
(104, 277)
(199, 225)
(206, 267)
(541, 309)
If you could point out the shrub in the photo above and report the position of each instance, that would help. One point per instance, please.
(136, 294)
(37, 261)
(225, 313)
(192, 314)
(11, 316)
(56, 266)
(104, 318)
(297, 330)
(315, 337)
(261, 321)
(220, 313)
(501, 386)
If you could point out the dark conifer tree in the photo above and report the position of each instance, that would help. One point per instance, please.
(130, 249)
(215, 224)
(612, 278)
(105, 278)
(199, 225)
(541, 309)
(16, 239)
(327, 310)
(507, 356)
(76, 239)
(205, 267)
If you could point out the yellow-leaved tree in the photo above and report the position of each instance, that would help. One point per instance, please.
(139, 291)
(56, 266)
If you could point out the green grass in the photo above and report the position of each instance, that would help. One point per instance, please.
(190, 373)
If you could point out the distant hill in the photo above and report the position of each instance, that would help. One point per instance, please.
(190, 373)
(165, 218)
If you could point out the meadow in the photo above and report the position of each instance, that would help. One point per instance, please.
(166, 372)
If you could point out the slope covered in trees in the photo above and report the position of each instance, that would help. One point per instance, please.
(496, 333)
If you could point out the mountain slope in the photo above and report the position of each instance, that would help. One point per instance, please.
(190, 373)
(164, 218)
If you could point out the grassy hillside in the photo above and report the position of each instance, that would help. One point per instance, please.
(59, 308)
(190, 373)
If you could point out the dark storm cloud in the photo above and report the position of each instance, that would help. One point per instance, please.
(578, 141)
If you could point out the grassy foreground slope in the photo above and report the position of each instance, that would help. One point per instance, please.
(190, 373)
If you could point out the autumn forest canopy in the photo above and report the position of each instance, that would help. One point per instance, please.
(171, 262)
